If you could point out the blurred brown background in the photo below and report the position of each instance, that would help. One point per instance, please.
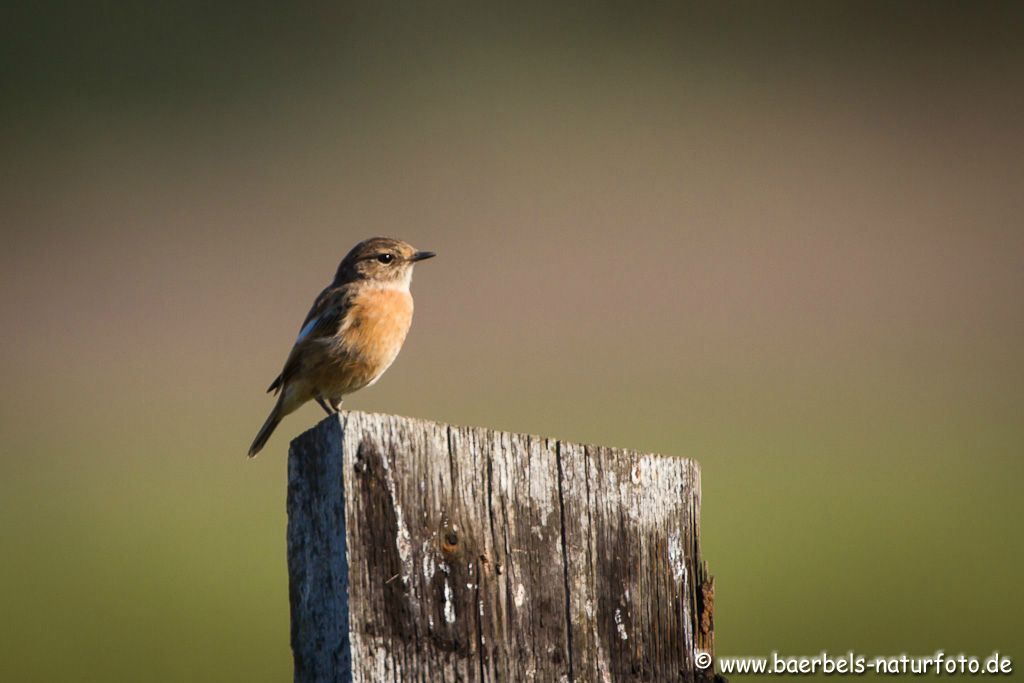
(782, 238)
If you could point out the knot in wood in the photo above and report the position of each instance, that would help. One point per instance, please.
(450, 542)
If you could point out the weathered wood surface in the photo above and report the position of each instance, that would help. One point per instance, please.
(419, 551)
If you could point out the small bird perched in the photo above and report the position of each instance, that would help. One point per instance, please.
(353, 332)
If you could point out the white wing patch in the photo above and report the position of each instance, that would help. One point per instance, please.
(304, 332)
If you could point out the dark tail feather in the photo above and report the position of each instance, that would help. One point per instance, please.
(266, 430)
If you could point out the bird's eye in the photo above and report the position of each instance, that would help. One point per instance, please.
(386, 258)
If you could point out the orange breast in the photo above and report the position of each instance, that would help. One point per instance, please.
(375, 330)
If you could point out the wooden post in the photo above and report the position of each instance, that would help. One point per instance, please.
(420, 551)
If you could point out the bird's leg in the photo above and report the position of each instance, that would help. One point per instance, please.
(323, 404)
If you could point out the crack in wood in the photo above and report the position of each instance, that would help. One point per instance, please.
(565, 559)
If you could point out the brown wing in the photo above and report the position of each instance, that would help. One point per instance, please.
(323, 320)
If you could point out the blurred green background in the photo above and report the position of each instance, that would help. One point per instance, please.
(784, 239)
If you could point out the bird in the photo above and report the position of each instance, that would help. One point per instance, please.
(352, 333)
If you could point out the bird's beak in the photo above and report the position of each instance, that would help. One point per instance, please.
(422, 256)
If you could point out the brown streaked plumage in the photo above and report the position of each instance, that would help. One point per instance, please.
(353, 332)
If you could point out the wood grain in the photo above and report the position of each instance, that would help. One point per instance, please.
(420, 551)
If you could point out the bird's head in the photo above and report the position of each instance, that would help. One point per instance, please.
(382, 260)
